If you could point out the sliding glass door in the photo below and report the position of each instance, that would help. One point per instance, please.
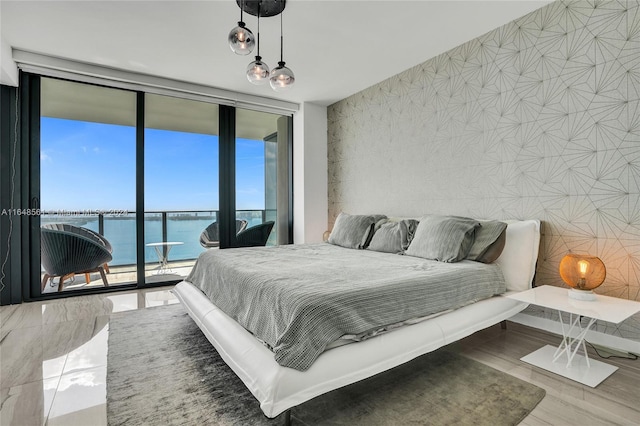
(262, 155)
(87, 186)
(180, 184)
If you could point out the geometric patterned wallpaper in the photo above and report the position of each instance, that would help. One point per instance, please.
(539, 118)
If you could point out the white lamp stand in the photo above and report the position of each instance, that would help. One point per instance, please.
(582, 295)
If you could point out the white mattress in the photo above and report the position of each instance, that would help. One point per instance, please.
(279, 388)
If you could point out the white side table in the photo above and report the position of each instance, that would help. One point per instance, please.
(575, 366)
(162, 251)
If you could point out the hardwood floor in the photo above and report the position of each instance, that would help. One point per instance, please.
(616, 401)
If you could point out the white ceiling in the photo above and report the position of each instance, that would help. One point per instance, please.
(335, 48)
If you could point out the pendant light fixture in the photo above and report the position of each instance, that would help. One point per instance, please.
(281, 77)
(242, 41)
(241, 38)
(258, 71)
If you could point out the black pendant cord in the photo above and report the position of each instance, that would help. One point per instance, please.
(242, 11)
(281, 41)
(258, 33)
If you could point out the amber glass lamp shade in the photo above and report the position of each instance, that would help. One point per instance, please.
(582, 273)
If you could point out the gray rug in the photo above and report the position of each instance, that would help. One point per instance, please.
(163, 371)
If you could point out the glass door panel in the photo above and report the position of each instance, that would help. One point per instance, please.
(181, 183)
(87, 186)
(261, 171)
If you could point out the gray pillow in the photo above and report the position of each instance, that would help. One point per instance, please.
(394, 237)
(378, 219)
(489, 241)
(443, 238)
(352, 231)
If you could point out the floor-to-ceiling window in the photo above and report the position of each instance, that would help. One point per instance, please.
(87, 186)
(128, 183)
(262, 153)
(180, 183)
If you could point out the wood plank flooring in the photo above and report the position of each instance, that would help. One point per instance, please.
(616, 401)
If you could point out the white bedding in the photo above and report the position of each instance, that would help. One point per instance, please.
(279, 388)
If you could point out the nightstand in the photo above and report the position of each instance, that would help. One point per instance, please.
(564, 360)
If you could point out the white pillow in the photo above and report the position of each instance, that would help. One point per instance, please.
(520, 254)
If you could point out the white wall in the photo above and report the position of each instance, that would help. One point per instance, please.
(8, 67)
(310, 205)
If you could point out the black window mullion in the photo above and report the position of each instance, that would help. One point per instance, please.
(27, 189)
(227, 176)
(140, 269)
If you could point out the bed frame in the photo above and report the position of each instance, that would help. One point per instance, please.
(279, 388)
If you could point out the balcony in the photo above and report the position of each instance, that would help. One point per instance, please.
(183, 227)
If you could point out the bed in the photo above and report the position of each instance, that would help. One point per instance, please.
(279, 388)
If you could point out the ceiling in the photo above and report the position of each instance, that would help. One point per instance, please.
(335, 48)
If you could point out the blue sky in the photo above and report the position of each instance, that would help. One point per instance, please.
(91, 166)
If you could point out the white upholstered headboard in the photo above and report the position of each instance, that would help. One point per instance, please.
(520, 254)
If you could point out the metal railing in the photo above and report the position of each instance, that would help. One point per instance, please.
(214, 217)
(127, 250)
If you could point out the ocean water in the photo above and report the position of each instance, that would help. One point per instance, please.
(121, 233)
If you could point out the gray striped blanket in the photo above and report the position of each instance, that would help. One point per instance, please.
(300, 298)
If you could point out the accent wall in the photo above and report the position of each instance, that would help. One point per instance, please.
(539, 118)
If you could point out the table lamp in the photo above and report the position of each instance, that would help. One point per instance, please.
(582, 273)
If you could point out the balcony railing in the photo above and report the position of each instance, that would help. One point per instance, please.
(160, 226)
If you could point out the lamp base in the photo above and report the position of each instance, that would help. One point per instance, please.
(583, 295)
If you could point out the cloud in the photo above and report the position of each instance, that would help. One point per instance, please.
(44, 157)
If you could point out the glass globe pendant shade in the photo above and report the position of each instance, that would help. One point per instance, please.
(281, 78)
(258, 72)
(241, 40)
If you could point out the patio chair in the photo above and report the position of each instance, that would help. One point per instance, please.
(84, 232)
(256, 235)
(210, 237)
(67, 251)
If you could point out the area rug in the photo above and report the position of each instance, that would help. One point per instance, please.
(162, 370)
